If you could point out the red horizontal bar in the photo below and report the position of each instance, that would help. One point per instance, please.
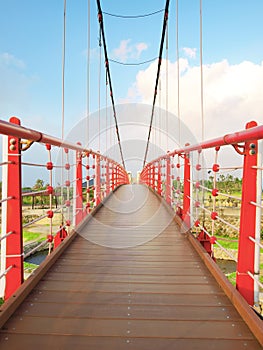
(255, 133)
(19, 131)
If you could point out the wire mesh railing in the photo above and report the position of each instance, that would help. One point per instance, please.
(53, 210)
(220, 204)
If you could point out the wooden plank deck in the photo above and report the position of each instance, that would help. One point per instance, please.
(129, 280)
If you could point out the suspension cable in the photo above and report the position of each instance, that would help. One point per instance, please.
(133, 63)
(100, 18)
(167, 87)
(63, 101)
(202, 97)
(165, 19)
(63, 72)
(178, 73)
(99, 88)
(201, 72)
(88, 75)
(134, 16)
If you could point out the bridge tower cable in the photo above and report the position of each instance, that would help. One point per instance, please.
(165, 20)
(178, 73)
(63, 105)
(107, 66)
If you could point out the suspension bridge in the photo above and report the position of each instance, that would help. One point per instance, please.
(132, 264)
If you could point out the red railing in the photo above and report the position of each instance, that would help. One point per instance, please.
(101, 175)
(182, 178)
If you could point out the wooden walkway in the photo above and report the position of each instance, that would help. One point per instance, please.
(129, 280)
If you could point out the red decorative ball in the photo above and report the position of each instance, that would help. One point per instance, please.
(198, 167)
(68, 223)
(49, 189)
(50, 238)
(197, 223)
(67, 183)
(67, 166)
(50, 214)
(67, 203)
(48, 146)
(49, 165)
(215, 168)
(214, 192)
(197, 204)
(66, 150)
(197, 184)
(214, 215)
(212, 240)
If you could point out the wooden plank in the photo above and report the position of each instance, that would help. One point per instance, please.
(129, 287)
(82, 297)
(153, 296)
(138, 328)
(68, 342)
(130, 311)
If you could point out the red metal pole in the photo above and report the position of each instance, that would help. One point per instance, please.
(78, 199)
(168, 181)
(159, 179)
(112, 176)
(187, 191)
(107, 178)
(97, 181)
(246, 248)
(14, 242)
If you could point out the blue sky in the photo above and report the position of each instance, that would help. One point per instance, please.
(31, 59)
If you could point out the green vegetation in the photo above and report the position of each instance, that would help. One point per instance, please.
(30, 236)
(227, 244)
(232, 277)
(28, 267)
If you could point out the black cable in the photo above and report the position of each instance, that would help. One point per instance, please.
(100, 18)
(165, 19)
(132, 64)
(132, 17)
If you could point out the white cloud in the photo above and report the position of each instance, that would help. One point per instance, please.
(232, 94)
(7, 59)
(127, 50)
(140, 47)
(189, 52)
(123, 50)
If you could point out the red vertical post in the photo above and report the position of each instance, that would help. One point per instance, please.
(246, 248)
(187, 191)
(154, 177)
(112, 176)
(78, 197)
(168, 180)
(97, 181)
(107, 177)
(118, 175)
(14, 242)
(148, 175)
(159, 179)
(151, 175)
